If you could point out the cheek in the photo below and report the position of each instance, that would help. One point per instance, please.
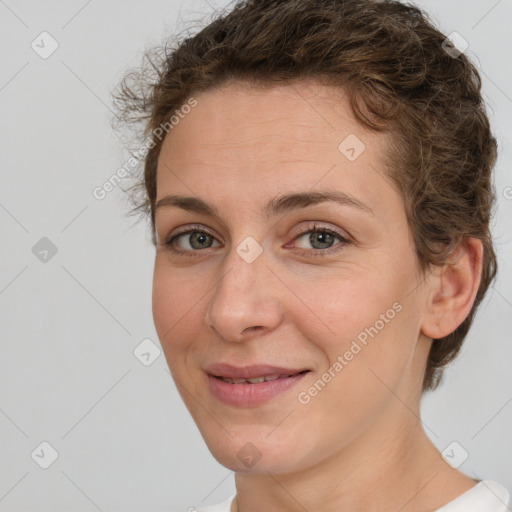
(336, 309)
(368, 355)
(364, 319)
(175, 303)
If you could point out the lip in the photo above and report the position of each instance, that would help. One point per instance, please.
(251, 395)
(249, 372)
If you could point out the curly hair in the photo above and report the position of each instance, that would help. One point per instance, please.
(402, 76)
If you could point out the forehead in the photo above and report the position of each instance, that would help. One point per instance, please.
(243, 137)
(238, 113)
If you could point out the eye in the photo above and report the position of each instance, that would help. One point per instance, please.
(196, 238)
(193, 239)
(321, 239)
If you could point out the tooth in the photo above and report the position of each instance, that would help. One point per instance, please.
(256, 380)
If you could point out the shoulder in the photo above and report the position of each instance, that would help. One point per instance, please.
(485, 496)
(223, 506)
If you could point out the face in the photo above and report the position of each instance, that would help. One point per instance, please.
(327, 286)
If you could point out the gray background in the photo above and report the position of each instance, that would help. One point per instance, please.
(69, 326)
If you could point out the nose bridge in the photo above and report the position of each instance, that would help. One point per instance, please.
(242, 298)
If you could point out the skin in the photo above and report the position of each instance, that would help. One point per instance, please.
(359, 444)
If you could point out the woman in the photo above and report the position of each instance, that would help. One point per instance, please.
(319, 188)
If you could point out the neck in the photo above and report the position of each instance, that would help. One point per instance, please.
(391, 466)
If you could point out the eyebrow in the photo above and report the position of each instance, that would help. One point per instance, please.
(277, 205)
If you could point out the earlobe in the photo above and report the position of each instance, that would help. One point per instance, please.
(454, 289)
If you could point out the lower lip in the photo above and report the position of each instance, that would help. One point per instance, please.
(251, 394)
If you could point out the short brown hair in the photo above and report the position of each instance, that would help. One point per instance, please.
(401, 76)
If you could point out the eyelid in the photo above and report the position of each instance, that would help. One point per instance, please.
(189, 228)
(321, 226)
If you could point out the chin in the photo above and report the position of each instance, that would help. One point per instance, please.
(255, 454)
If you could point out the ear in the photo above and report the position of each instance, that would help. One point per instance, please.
(453, 290)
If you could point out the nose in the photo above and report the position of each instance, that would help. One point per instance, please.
(245, 302)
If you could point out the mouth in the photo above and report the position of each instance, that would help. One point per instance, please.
(258, 380)
(251, 386)
(252, 374)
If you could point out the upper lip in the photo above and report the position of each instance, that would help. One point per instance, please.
(250, 372)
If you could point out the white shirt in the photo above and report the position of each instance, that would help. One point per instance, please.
(485, 496)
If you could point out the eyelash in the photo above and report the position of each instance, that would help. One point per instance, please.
(314, 253)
